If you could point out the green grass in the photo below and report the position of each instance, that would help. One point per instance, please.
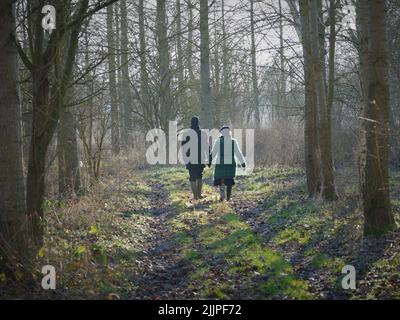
(291, 235)
(230, 260)
(320, 260)
(230, 253)
(228, 257)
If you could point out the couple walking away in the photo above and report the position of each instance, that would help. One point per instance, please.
(225, 164)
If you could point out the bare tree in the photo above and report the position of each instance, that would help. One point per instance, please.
(50, 60)
(311, 112)
(328, 186)
(375, 150)
(112, 69)
(12, 190)
(126, 100)
(189, 49)
(164, 113)
(254, 77)
(179, 49)
(144, 76)
(68, 160)
(206, 100)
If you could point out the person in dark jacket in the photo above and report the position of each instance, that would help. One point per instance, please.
(226, 154)
(196, 169)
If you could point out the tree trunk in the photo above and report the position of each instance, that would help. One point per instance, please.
(126, 96)
(282, 75)
(189, 48)
(144, 79)
(46, 105)
(225, 65)
(115, 141)
(164, 72)
(282, 111)
(43, 127)
(310, 120)
(206, 100)
(332, 49)
(328, 186)
(68, 161)
(179, 50)
(254, 77)
(375, 151)
(216, 72)
(13, 227)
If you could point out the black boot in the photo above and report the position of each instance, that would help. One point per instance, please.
(193, 185)
(199, 188)
(228, 193)
(222, 192)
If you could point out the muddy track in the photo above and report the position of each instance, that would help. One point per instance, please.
(163, 274)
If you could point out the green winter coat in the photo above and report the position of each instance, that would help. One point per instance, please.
(225, 165)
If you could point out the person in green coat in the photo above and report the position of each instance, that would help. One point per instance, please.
(226, 155)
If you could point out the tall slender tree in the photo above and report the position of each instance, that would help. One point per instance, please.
(179, 49)
(375, 151)
(144, 77)
(331, 58)
(112, 76)
(189, 49)
(225, 61)
(12, 190)
(164, 113)
(206, 100)
(68, 160)
(256, 107)
(311, 142)
(282, 74)
(126, 100)
(328, 185)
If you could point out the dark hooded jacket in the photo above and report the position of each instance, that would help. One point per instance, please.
(201, 141)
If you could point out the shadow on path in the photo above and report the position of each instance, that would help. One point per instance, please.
(163, 273)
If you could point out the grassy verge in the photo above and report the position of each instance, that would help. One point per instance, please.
(271, 242)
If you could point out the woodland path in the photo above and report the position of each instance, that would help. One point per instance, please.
(204, 249)
(270, 242)
(163, 272)
(138, 236)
